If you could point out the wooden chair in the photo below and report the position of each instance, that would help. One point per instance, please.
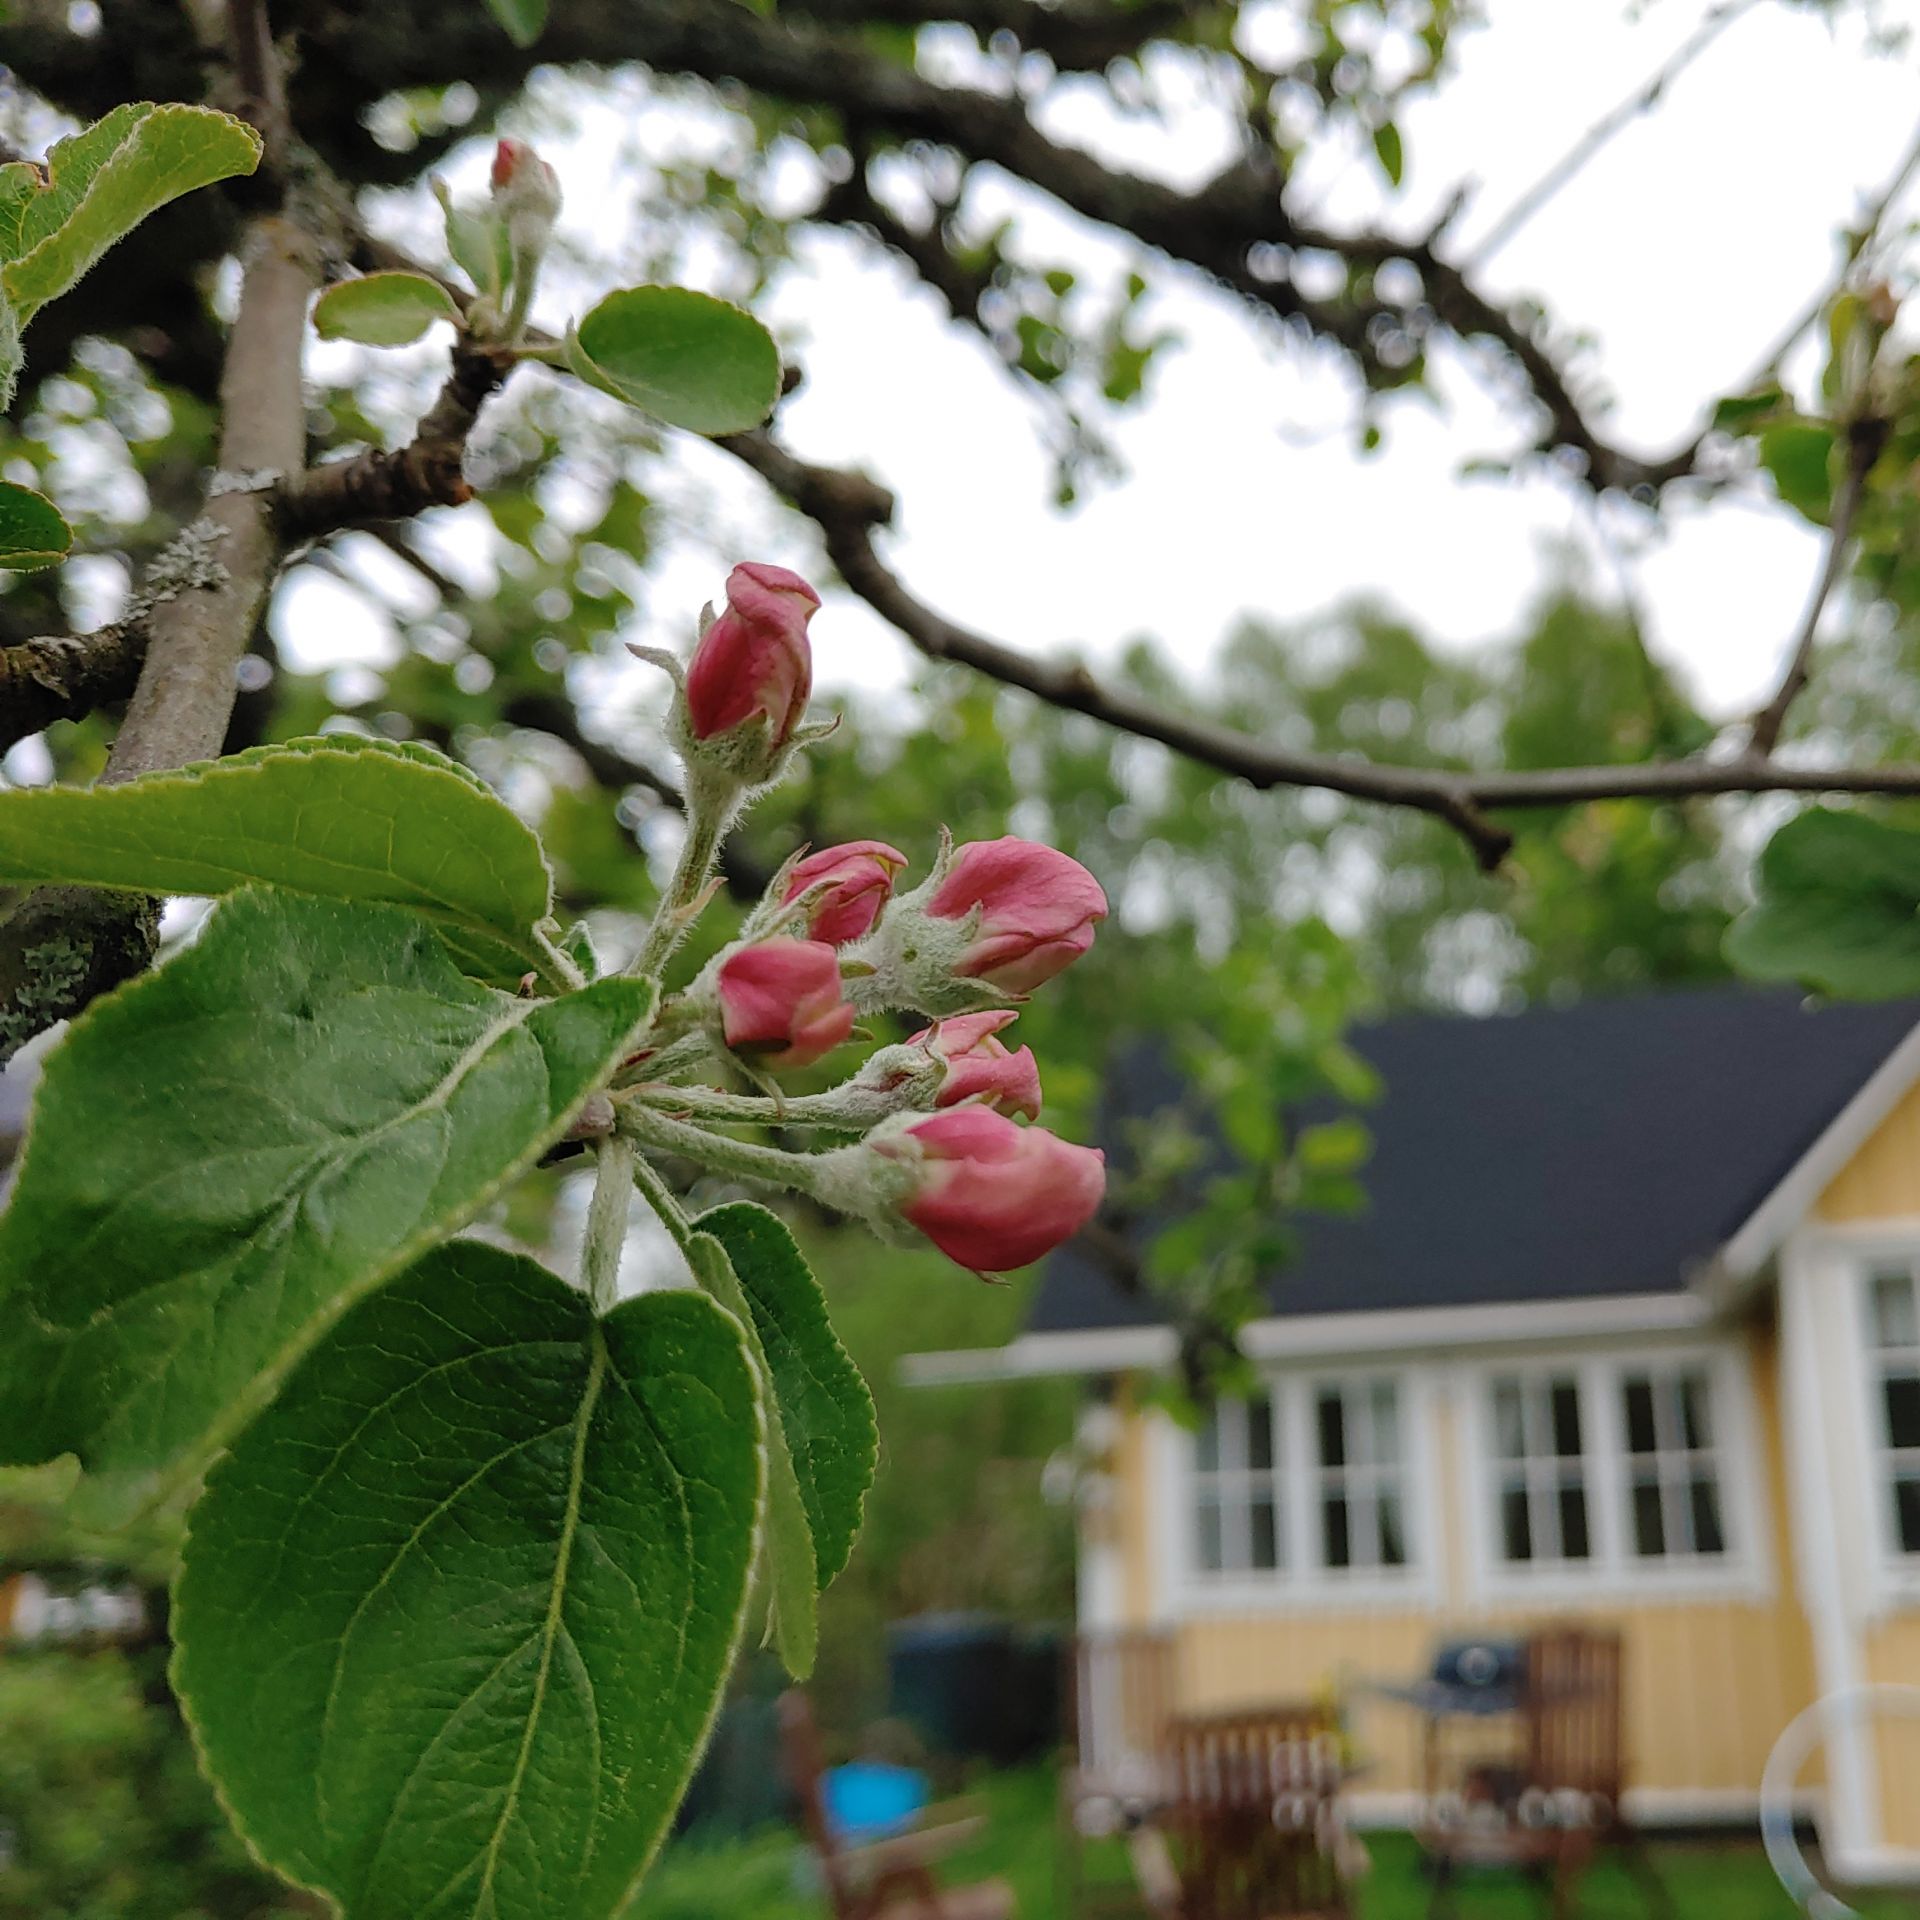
(1252, 1822)
(1556, 1803)
(889, 1879)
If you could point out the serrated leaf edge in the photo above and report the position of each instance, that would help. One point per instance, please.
(526, 943)
(870, 1425)
(170, 1481)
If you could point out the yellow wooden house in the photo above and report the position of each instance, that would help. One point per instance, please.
(1629, 1331)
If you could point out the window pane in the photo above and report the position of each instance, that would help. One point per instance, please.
(1383, 1401)
(1393, 1532)
(1704, 1505)
(1906, 1504)
(1330, 1416)
(1903, 1410)
(1574, 1544)
(1893, 1311)
(1516, 1523)
(1211, 1552)
(1264, 1536)
(1566, 1419)
(1206, 1443)
(1509, 1423)
(1336, 1534)
(1639, 1407)
(1649, 1523)
(1260, 1432)
(1696, 1426)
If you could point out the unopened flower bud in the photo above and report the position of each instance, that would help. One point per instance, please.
(780, 1002)
(751, 674)
(989, 1194)
(978, 1066)
(858, 879)
(1037, 911)
(527, 191)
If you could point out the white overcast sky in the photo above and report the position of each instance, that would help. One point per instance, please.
(1683, 249)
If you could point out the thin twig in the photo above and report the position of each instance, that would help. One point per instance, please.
(1642, 100)
(1863, 448)
(1859, 239)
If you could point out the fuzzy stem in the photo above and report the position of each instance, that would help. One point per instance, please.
(663, 1200)
(707, 820)
(746, 1110)
(797, 1171)
(607, 1222)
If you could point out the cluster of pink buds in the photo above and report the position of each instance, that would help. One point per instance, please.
(940, 1146)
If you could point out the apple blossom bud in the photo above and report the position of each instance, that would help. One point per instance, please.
(858, 878)
(780, 1002)
(1037, 911)
(527, 190)
(979, 1067)
(989, 1194)
(750, 677)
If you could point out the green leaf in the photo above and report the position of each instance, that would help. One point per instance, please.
(32, 531)
(1799, 455)
(825, 1409)
(1387, 147)
(227, 1153)
(1838, 908)
(383, 309)
(524, 20)
(1741, 412)
(684, 357)
(793, 1594)
(101, 183)
(337, 816)
(455, 1613)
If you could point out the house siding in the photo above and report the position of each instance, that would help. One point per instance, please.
(1878, 1188)
(1893, 1654)
(1710, 1682)
(1882, 1180)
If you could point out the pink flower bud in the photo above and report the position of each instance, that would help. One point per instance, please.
(979, 1067)
(1038, 909)
(516, 168)
(527, 190)
(991, 1195)
(862, 875)
(754, 659)
(780, 1002)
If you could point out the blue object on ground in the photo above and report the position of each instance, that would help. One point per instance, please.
(867, 1801)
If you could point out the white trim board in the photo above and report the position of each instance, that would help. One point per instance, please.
(1324, 1336)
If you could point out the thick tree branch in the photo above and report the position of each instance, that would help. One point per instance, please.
(65, 676)
(847, 507)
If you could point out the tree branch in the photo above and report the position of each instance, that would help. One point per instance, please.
(1642, 100)
(428, 472)
(1864, 442)
(65, 676)
(847, 507)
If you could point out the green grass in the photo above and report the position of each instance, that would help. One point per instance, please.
(765, 1877)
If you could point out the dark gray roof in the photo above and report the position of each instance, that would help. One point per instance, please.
(1560, 1153)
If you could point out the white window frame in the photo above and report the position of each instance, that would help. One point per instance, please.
(1614, 1571)
(1303, 1582)
(1895, 1572)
